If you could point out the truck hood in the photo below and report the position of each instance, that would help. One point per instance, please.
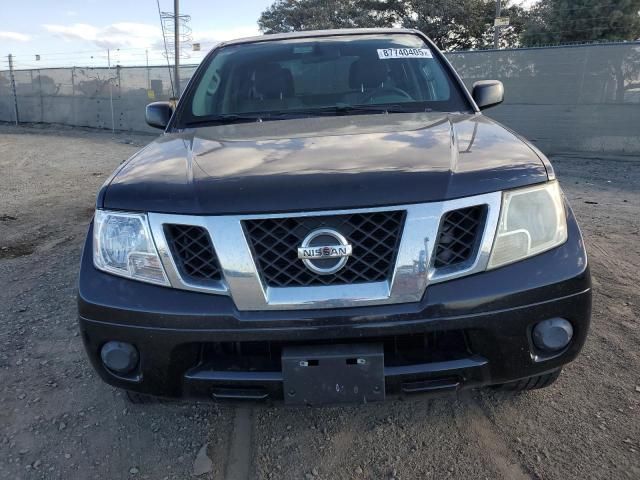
(323, 163)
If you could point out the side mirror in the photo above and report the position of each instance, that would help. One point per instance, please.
(158, 114)
(488, 93)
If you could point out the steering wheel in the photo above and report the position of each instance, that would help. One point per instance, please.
(380, 91)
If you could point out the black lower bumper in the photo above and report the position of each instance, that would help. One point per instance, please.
(467, 332)
(498, 344)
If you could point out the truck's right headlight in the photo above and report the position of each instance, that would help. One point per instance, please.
(123, 245)
(532, 221)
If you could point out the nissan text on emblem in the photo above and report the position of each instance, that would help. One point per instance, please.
(324, 251)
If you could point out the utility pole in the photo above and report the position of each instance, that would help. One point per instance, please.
(176, 33)
(496, 29)
(113, 121)
(13, 87)
(146, 52)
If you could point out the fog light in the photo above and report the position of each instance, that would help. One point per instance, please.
(553, 334)
(119, 357)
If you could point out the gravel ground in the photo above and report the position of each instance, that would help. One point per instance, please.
(58, 420)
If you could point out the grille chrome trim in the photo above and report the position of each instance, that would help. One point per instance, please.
(193, 252)
(413, 269)
(373, 236)
(157, 222)
(458, 238)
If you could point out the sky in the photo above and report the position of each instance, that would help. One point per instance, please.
(79, 32)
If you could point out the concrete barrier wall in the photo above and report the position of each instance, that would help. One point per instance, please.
(88, 97)
(576, 98)
(582, 98)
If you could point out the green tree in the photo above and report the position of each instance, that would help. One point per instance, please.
(451, 24)
(567, 21)
(299, 15)
(463, 24)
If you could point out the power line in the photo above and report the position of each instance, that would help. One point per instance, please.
(119, 58)
(69, 52)
(122, 49)
(575, 19)
(547, 32)
(590, 7)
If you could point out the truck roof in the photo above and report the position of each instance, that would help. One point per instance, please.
(316, 33)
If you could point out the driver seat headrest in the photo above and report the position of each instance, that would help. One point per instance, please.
(273, 82)
(367, 74)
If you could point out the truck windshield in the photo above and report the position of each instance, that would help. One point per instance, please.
(333, 75)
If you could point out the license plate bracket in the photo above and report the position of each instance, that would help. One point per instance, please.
(330, 374)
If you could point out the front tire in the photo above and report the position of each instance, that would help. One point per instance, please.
(530, 383)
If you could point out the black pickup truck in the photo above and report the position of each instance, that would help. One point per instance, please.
(329, 218)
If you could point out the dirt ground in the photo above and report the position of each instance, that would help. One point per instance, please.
(59, 421)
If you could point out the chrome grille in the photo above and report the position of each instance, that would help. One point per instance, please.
(412, 266)
(375, 237)
(193, 252)
(459, 236)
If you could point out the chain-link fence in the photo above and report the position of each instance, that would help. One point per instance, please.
(112, 98)
(573, 98)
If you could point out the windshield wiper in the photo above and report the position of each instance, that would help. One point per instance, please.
(384, 108)
(225, 119)
(346, 109)
(337, 109)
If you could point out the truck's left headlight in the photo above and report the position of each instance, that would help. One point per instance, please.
(532, 221)
(123, 245)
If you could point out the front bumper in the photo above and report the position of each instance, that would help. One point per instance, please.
(491, 313)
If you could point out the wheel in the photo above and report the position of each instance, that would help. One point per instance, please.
(531, 383)
(141, 398)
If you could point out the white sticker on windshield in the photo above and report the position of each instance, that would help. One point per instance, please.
(384, 53)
